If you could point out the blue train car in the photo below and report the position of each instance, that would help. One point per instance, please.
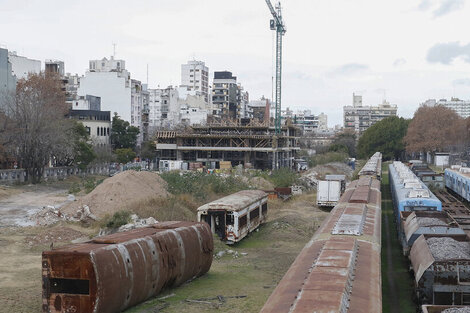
(457, 179)
(409, 193)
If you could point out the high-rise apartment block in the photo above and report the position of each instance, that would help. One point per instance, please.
(225, 95)
(109, 80)
(359, 118)
(195, 75)
(461, 107)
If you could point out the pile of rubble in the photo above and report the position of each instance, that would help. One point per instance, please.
(430, 221)
(50, 215)
(136, 222)
(457, 310)
(310, 179)
(446, 248)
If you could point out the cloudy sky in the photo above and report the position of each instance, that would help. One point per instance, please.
(404, 50)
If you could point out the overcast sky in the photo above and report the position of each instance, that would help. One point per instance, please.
(405, 50)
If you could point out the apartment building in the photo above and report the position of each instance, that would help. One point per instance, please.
(359, 118)
(461, 107)
(195, 76)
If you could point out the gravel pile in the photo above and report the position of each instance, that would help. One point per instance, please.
(457, 310)
(430, 221)
(446, 248)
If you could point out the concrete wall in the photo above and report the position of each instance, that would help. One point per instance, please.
(7, 81)
(8, 177)
(22, 66)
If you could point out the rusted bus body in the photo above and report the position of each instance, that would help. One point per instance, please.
(410, 228)
(373, 167)
(235, 216)
(339, 268)
(440, 282)
(439, 308)
(114, 272)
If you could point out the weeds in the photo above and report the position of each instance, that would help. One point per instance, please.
(328, 157)
(117, 220)
(202, 185)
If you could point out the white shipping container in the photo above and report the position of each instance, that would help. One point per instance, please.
(328, 193)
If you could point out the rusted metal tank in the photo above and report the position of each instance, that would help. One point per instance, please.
(442, 269)
(114, 272)
(339, 269)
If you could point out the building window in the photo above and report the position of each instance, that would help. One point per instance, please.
(97, 131)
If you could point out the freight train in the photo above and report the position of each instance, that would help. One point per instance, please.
(339, 269)
(111, 273)
(433, 231)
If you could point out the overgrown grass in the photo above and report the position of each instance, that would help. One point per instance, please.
(282, 177)
(86, 184)
(117, 219)
(397, 281)
(328, 157)
(201, 185)
(175, 207)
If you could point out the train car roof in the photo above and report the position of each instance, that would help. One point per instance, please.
(235, 202)
(459, 171)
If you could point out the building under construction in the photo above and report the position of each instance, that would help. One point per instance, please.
(252, 145)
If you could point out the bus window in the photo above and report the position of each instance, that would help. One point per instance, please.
(242, 221)
(229, 220)
(265, 209)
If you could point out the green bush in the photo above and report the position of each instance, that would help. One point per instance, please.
(201, 185)
(118, 219)
(328, 157)
(283, 177)
(75, 188)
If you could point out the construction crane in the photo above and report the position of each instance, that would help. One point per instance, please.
(277, 24)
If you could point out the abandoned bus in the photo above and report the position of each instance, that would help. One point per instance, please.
(234, 216)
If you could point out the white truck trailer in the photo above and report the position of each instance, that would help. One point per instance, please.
(328, 192)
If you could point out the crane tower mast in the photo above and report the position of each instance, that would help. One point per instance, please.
(277, 24)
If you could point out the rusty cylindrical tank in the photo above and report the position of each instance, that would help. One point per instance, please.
(114, 272)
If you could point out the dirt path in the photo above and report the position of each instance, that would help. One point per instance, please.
(17, 209)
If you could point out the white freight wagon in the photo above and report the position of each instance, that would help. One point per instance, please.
(328, 192)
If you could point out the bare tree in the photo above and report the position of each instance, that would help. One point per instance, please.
(41, 130)
(435, 129)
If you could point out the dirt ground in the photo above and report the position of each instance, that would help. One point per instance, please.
(18, 204)
(270, 251)
(246, 282)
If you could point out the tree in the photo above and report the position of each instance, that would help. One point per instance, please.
(122, 134)
(125, 155)
(147, 150)
(83, 150)
(385, 136)
(344, 142)
(434, 129)
(40, 129)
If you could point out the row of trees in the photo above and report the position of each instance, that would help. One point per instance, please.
(35, 129)
(432, 129)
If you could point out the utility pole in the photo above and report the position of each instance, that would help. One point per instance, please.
(277, 24)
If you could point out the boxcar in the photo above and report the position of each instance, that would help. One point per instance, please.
(338, 270)
(235, 216)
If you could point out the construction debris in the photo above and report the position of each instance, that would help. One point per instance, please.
(446, 248)
(137, 222)
(50, 215)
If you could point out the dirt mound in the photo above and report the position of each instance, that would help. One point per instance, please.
(121, 192)
(261, 183)
(55, 235)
